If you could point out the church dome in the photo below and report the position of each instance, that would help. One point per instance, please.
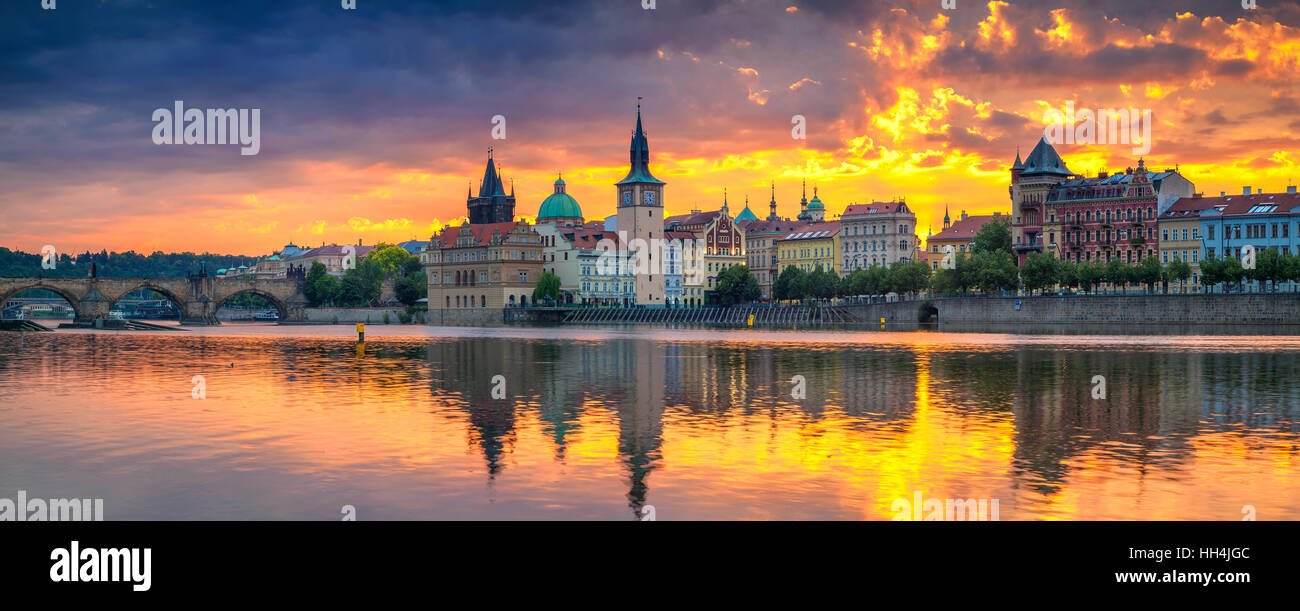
(816, 202)
(559, 205)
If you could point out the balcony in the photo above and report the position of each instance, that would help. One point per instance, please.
(1036, 247)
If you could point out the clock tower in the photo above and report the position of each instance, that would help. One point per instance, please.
(641, 220)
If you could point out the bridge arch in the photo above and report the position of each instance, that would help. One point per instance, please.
(281, 308)
(72, 299)
(181, 306)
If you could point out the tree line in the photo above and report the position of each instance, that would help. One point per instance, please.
(129, 264)
(362, 286)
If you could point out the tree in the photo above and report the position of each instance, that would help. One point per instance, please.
(1089, 274)
(1211, 272)
(1292, 267)
(855, 283)
(412, 287)
(996, 271)
(320, 287)
(1067, 274)
(788, 285)
(362, 285)
(821, 284)
(1039, 271)
(390, 258)
(548, 287)
(1179, 271)
(737, 285)
(1119, 273)
(1149, 272)
(909, 278)
(1269, 266)
(1231, 271)
(994, 236)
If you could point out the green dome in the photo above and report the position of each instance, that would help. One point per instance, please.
(746, 215)
(559, 206)
(816, 204)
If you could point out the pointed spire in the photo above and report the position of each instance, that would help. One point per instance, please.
(639, 155)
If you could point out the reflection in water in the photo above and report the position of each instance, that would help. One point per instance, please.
(597, 424)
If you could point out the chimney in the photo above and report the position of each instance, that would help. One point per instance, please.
(1245, 190)
(1291, 189)
(358, 241)
(1103, 174)
(963, 215)
(1222, 193)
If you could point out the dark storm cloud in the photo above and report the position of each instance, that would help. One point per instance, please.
(401, 82)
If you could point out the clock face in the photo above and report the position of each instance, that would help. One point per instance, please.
(649, 197)
(627, 197)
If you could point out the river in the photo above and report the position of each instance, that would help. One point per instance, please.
(266, 422)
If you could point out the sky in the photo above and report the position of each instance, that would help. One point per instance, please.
(374, 122)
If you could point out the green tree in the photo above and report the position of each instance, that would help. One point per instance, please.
(548, 287)
(390, 258)
(994, 236)
(789, 284)
(908, 278)
(737, 285)
(362, 285)
(1089, 275)
(1118, 273)
(1039, 272)
(1149, 272)
(1067, 274)
(1269, 266)
(320, 287)
(412, 287)
(1231, 271)
(1211, 273)
(1179, 271)
(996, 271)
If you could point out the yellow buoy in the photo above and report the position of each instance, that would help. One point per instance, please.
(751, 320)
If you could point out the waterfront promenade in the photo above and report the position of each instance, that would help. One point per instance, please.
(1200, 309)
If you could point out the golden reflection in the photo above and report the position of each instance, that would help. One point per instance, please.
(552, 428)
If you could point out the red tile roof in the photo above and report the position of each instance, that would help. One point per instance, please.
(965, 229)
(758, 227)
(482, 233)
(872, 208)
(694, 218)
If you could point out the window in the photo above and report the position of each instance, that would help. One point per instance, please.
(1209, 233)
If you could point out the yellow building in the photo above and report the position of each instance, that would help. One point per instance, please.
(491, 265)
(1180, 234)
(811, 246)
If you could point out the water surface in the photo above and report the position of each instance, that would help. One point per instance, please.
(597, 423)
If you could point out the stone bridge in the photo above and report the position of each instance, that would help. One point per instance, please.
(197, 296)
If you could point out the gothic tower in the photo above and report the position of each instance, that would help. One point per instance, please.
(641, 217)
(492, 205)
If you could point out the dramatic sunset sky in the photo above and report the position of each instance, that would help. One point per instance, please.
(374, 121)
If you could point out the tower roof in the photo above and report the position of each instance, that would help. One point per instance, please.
(491, 184)
(1045, 160)
(816, 202)
(640, 156)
